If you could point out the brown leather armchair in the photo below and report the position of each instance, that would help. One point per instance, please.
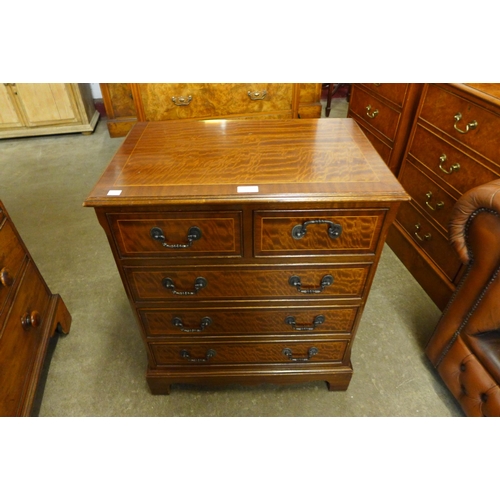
(465, 347)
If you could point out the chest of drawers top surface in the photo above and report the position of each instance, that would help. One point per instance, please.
(235, 161)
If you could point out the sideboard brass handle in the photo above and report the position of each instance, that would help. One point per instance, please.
(312, 351)
(300, 230)
(453, 168)
(439, 204)
(470, 126)
(426, 237)
(210, 354)
(199, 283)
(204, 323)
(32, 319)
(194, 233)
(6, 278)
(373, 113)
(318, 320)
(181, 100)
(257, 96)
(295, 281)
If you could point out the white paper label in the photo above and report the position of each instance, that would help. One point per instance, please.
(248, 189)
(115, 192)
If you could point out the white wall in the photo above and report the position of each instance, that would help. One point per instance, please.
(96, 91)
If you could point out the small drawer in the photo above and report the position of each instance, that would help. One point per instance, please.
(20, 339)
(316, 232)
(213, 352)
(177, 234)
(468, 123)
(425, 193)
(447, 162)
(12, 256)
(233, 282)
(223, 321)
(394, 92)
(375, 113)
(429, 239)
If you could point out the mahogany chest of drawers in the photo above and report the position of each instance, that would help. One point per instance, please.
(454, 146)
(30, 315)
(247, 248)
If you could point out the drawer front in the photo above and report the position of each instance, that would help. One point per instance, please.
(425, 193)
(212, 352)
(18, 343)
(447, 162)
(12, 255)
(394, 92)
(375, 113)
(177, 234)
(216, 321)
(441, 109)
(232, 282)
(316, 232)
(199, 100)
(430, 240)
(382, 148)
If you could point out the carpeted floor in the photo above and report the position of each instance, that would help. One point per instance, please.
(99, 368)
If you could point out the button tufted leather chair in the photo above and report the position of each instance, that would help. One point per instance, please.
(465, 347)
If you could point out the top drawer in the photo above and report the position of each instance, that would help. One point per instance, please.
(394, 92)
(174, 234)
(316, 232)
(199, 100)
(468, 123)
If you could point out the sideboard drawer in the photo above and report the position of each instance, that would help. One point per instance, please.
(177, 234)
(394, 92)
(381, 147)
(312, 232)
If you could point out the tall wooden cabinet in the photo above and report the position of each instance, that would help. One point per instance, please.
(127, 103)
(30, 109)
(454, 146)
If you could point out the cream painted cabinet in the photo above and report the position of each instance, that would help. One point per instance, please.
(28, 109)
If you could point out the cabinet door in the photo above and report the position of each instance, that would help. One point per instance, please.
(9, 117)
(47, 103)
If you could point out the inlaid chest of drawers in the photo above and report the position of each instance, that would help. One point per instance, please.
(247, 248)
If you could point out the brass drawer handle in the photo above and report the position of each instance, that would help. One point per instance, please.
(194, 234)
(312, 351)
(199, 283)
(204, 323)
(470, 126)
(318, 320)
(295, 281)
(32, 319)
(257, 96)
(300, 230)
(373, 113)
(455, 167)
(210, 354)
(426, 237)
(439, 204)
(6, 278)
(181, 100)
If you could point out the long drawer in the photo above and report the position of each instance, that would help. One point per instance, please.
(394, 92)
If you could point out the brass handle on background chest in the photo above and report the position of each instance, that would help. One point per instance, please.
(426, 237)
(370, 113)
(455, 167)
(199, 283)
(206, 321)
(295, 281)
(257, 96)
(439, 204)
(181, 100)
(6, 278)
(193, 235)
(300, 230)
(32, 319)
(209, 354)
(470, 126)
(318, 320)
(312, 351)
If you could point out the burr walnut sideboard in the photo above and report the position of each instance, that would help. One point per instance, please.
(247, 248)
(30, 316)
(128, 103)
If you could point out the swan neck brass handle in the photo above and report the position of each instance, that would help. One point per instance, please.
(258, 95)
(312, 351)
(454, 168)
(295, 281)
(426, 237)
(470, 126)
(318, 320)
(181, 100)
(439, 204)
(199, 283)
(204, 323)
(209, 354)
(370, 113)
(194, 233)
